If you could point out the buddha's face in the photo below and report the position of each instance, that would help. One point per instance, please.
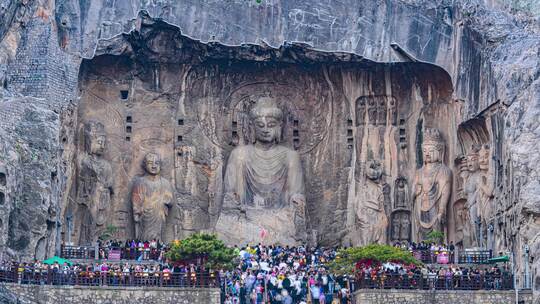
(97, 144)
(267, 129)
(472, 162)
(431, 153)
(152, 164)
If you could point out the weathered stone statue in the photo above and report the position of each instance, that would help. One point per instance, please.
(264, 184)
(94, 184)
(372, 221)
(401, 198)
(432, 186)
(471, 189)
(152, 197)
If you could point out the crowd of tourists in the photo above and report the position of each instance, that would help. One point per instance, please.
(133, 250)
(276, 274)
(453, 277)
(264, 273)
(429, 252)
(107, 274)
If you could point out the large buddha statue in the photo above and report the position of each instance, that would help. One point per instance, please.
(152, 197)
(264, 185)
(432, 186)
(94, 184)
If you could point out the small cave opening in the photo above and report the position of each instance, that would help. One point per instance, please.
(2, 198)
(3, 179)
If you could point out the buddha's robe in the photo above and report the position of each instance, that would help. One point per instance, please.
(267, 179)
(433, 189)
(151, 200)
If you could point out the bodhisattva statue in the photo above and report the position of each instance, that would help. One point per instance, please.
(471, 189)
(94, 184)
(371, 217)
(264, 196)
(432, 186)
(152, 197)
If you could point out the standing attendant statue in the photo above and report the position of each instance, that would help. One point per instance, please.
(151, 197)
(432, 186)
(94, 184)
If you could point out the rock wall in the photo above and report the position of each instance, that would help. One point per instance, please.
(489, 55)
(440, 296)
(44, 294)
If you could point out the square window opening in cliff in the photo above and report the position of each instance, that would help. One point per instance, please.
(350, 140)
(296, 133)
(295, 123)
(180, 122)
(349, 132)
(128, 138)
(3, 179)
(2, 198)
(124, 94)
(129, 119)
(179, 138)
(234, 125)
(349, 123)
(128, 129)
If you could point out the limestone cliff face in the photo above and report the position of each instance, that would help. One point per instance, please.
(485, 56)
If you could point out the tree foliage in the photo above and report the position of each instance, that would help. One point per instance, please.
(435, 236)
(203, 246)
(349, 260)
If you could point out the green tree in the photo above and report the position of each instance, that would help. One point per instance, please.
(108, 233)
(206, 246)
(435, 236)
(350, 260)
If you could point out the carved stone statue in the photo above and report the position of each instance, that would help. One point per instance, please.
(152, 197)
(94, 184)
(487, 183)
(261, 179)
(401, 198)
(371, 216)
(471, 189)
(432, 186)
(360, 111)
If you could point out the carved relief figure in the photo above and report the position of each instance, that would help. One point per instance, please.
(94, 183)
(266, 175)
(371, 216)
(432, 186)
(372, 111)
(401, 200)
(487, 183)
(392, 110)
(360, 111)
(401, 226)
(470, 187)
(381, 110)
(151, 197)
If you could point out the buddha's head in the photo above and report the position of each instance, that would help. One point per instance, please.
(483, 157)
(266, 119)
(433, 146)
(95, 138)
(152, 163)
(472, 160)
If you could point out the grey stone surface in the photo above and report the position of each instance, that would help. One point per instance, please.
(366, 296)
(44, 294)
